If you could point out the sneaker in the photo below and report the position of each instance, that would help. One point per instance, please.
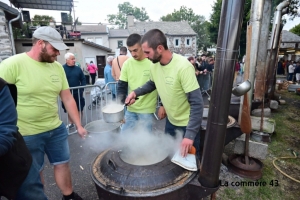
(76, 197)
(70, 126)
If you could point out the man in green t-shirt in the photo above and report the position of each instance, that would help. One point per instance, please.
(40, 80)
(135, 72)
(173, 76)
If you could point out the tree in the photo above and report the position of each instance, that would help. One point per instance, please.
(296, 30)
(43, 20)
(37, 20)
(183, 14)
(197, 23)
(213, 26)
(70, 20)
(216, 13)
(125, 9)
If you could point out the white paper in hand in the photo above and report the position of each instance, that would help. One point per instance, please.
(189, 162)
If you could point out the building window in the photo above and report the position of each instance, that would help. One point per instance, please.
(70, 44)
(120, 43)
(90, 39)
(188, 42)
(176, 42)
(99, 41)
(27, 44)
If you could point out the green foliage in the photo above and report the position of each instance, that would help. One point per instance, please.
(43, 20)
(197, 23)
(21, 33)
(126, 8)
(70, 20)
(296, 30)
(183, 14)
(213, 26)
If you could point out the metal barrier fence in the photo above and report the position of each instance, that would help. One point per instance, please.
(92, 98)
(205, 82)
(84, 98)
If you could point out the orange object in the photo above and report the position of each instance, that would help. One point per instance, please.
(192, 150)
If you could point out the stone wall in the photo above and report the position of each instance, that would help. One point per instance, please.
(5, 44)
(183, 49)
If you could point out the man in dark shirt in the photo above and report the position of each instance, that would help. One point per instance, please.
(75, 78)
(15, 158)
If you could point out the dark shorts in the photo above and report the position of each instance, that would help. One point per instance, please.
(80, 102)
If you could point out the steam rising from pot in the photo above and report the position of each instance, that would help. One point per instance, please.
(137, 146)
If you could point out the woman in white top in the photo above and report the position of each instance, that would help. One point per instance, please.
(291, 71)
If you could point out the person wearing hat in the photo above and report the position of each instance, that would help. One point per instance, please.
(40, 79)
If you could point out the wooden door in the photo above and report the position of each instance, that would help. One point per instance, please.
(101, 62)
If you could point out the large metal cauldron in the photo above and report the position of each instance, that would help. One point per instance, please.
(116, 179)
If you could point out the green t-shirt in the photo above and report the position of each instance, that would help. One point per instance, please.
(137, 73)
(39, 85)
(173, 82)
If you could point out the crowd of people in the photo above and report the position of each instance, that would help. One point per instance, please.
(289, 68)
(204, 67)
(153, 71)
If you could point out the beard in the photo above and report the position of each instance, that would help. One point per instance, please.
(46, 57)
(156, 58)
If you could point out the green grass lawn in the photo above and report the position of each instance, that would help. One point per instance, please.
(285, 139)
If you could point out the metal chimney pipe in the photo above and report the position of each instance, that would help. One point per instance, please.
(276, 22)
(274, 64)
(284, 11)
(257, 8)
(11, 33)
(227, 51)
(272, 54)
(260, 77)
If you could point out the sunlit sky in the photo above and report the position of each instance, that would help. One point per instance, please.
(95, 11)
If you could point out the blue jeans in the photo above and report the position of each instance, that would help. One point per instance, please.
(55, 144)
(133, 119)
(290, 76)
(171, 129)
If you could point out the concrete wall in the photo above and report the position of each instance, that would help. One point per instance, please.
(289, 45)
(80, 50)
(5, 43)
(93, 37)
(113, 43)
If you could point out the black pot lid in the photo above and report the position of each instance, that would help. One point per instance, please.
(111, 173)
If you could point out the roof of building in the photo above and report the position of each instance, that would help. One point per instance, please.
(67, 41)
(168, 28)
(118, 33)
(289, 37)
(91, 29)
(64, 5)
(11, 13)
(96, 45)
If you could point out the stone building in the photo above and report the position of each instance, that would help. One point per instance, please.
(6, 38)
(290, 46)
(181, 37)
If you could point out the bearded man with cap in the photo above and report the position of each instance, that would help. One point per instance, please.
(40, 79)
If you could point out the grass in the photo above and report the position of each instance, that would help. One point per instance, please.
(285, 138)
